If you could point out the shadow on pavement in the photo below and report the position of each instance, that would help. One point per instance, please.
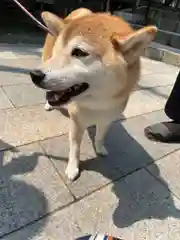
(20, 202)
(140, 195)
(154, 91)
(14, 69)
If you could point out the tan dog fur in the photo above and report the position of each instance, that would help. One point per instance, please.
(113, 71)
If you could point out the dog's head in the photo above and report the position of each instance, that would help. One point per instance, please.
(90, 56)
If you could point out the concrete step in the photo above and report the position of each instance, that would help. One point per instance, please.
(134, 18)
(168, 23)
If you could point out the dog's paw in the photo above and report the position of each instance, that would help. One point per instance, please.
(48, 107)
(101, 150)
(72, 172)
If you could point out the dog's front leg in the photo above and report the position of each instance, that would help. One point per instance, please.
(47, 106)
(101, 130)
(75, 137)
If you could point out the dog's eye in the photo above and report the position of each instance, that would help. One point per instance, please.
(77, 52)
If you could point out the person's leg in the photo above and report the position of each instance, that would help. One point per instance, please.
(172, 108)
(168, 131)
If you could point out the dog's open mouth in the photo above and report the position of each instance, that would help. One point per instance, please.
(56, 98)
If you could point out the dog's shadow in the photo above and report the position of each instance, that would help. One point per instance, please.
(140, 195)
(21, 203)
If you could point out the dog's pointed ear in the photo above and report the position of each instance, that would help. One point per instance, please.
(80, 12)
(53, 22)
(131, 46)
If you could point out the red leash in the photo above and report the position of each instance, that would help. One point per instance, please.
(32, 17)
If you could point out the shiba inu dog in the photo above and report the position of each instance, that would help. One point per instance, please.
(90, 65)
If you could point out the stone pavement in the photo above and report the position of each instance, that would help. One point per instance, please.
(134, 193)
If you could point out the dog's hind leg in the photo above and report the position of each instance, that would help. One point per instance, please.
(101, 130)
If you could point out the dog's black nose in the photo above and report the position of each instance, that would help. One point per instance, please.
(37, 76)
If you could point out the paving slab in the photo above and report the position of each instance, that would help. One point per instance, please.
(98, 171)
(144, 71)
(19, 64)
(7, 55)
(20, 52)
(137, 207)
(140, 102)
(118, 196)
(29, 187)
(61, 225)
(158, 79)
(143, 146)
(29, 124)
(4, 101)
(25, 95)
(158, 67)
(128, 137)
(15, 78)
(155, 117)
(160, 93)
(169, 169)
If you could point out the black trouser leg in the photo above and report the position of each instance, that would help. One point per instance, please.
(172, 108)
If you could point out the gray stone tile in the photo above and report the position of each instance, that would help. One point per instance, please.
(7, 55)
(24, 125)
(25, 95)
(29, 62)
(144, 71)
(29, 187)
(19, 51)
(59, 146)
(155, 117)
(61, 225)
(15, 78)
(128, 150)
(140, 150)
(138, 207)
(169, 169)
(160, 94)
(19, 65)
(154, 80)
(4, 101)
(142, 102)
(158, 67)
(124, 145)
(95, 171)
